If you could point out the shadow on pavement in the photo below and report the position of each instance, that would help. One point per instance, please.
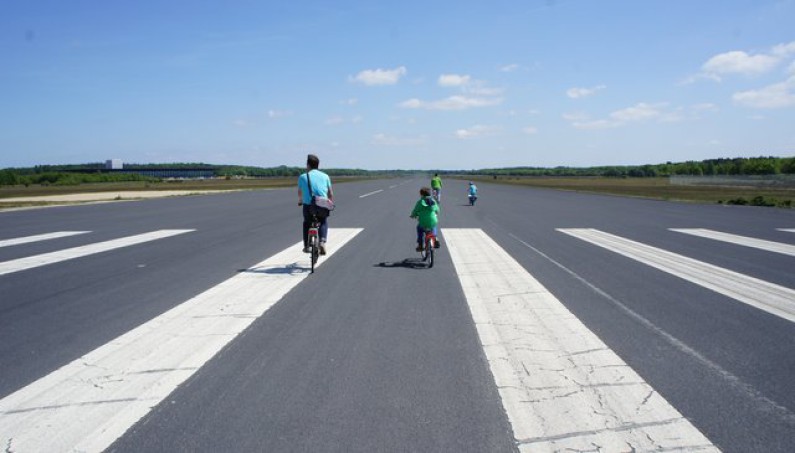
(408, 263)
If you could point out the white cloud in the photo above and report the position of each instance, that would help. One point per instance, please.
(576, 93)
(791, 68)
(451, 103)
(371, 77)
(740, 62)
(390, 140)
(774, 96)
(639, 112)
(478, 130)
(349, 101)
(576, 116)
(530, 130)
(509, 68)
(784, 50)
(337, 120)
(453, 80)
(273, 114)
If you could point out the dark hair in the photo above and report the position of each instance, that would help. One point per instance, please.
(425, 191)
(312, 161)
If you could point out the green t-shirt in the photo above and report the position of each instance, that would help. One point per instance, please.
(426, 210)
(436, 182)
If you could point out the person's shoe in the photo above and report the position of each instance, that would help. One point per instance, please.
(420, 248)
(437, 244)
(307, 249)
(322, 248)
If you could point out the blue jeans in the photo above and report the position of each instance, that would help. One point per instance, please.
(322, 231)
(421, 233)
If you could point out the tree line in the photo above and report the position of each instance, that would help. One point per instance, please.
(96, 172)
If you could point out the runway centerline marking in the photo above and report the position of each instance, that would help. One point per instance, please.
(30, 262)
(761, 244)
(89, 403)
(772, 298)
(371, 193)
(39, 237)
(561, 386)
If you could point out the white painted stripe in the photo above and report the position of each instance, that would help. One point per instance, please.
(789, 230)
(392, 187)
(30, 262)
(39, 237)
(371, 193)
(562, 387)
(762, 244)
(772, 298)
(89, 403)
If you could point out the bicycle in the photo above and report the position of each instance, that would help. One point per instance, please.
(314, 241)
(428, 250)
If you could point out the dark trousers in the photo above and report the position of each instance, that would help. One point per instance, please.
(323, 231)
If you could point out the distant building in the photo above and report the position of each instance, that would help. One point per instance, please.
(114, 164)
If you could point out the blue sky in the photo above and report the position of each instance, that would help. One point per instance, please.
(409, 84)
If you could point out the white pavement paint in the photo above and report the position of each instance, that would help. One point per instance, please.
(762, 244)
(772, 298)
(30, 262)
(371, 193)
(39, 237)
(789, 230)
(89, 403)
(562, 388)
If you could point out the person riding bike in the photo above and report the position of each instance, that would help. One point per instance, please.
(436, 185)
(426, 211)
(321, 187)
(472, 192)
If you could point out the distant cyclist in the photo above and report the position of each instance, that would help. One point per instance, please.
(321, 186)
(472, 192)
(426, 211)
(436, 185)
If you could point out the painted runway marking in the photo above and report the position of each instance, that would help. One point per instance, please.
(39, 237)
(89, 403)
(371, 193)
(789, 230)
(761, 244)
(561, 386)
(30, 262)
(772, 298)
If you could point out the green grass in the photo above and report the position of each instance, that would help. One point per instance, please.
(187, 185)
(657, 188)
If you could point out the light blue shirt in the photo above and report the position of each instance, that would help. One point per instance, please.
(321, 185)
(473, 190)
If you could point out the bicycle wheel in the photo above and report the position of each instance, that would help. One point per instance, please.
(429, 252)
(313, 252)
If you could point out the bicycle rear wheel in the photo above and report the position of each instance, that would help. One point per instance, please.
(313, 252)
(429, 252)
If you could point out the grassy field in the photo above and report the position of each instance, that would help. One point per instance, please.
(197, 185)
(657, 188)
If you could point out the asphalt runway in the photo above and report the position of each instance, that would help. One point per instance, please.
(209, 334)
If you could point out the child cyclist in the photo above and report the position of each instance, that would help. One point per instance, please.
(426, 211)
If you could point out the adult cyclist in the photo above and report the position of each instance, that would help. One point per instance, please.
(436, 187)
(321, 187)
(472, 192)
